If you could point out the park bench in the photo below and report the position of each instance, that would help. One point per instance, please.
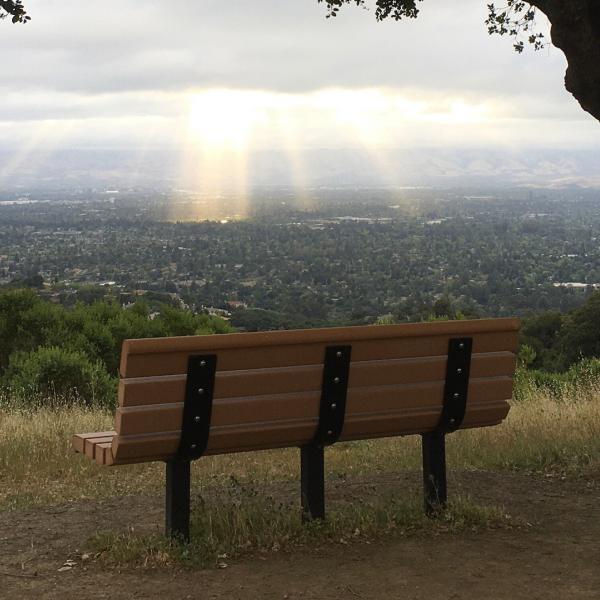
(184, 397)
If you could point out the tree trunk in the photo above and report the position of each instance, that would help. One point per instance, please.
(576, 31)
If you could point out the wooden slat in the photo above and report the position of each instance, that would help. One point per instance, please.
(481, 415)
(103, 454)
(415, 396)
(249, 437)
(231, 384)
(484, 415)
(230, 411)
(91, 445)
(167, 443)
(168, 356)
(79, 439)
(394, 424)
(393, 410)
(337, 335)
(164, 445)
(305, 405)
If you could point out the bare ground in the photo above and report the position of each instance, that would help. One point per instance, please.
(556, 554)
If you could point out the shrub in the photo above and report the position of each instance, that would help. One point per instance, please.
(582, 378)
(585, 373)
(51, 374)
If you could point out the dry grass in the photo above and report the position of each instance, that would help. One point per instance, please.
(245, 520)
(542, 433)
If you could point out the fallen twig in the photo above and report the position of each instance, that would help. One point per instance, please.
(21, 576)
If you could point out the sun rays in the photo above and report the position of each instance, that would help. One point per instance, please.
(232, 141)
(226, 127)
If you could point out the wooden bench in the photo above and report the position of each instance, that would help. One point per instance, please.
(182, 398)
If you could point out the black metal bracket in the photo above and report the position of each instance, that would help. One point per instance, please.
(336, 370)
(457, 384)
(197, 408)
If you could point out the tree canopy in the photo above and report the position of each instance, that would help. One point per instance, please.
(48, 350)
(575, 30)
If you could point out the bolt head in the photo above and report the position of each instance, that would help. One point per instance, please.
(197, 419)
(459, 371)
(202, 363)
(330, 432)
(193, 446)
(461, 346)
(333, 406)
(200, 391)
(336, 380)
(456, 395)
(452, 421)
(339, 354)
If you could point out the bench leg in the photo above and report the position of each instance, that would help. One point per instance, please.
(434, 471)
(312, 481)
(177, 506)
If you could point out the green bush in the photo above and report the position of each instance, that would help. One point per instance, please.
(57, 375)
(584, 375)
(47, 349)
(552, 383)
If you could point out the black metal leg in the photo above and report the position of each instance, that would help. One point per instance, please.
(434, 471)
(177, 507)
(312, 479)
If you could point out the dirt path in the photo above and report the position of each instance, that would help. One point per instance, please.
(557, 557)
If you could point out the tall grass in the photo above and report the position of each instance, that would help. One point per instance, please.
(545, 430)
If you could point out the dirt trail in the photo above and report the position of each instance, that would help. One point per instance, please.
(557, 557)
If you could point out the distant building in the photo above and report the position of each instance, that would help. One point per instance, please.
(235, 304)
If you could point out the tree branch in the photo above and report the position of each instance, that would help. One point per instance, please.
(16, 9)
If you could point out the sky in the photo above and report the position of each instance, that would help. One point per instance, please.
(224, 76)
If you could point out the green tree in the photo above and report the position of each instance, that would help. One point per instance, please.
(443, 308)
(74, 352)
(541, 334)
(542, 329)
(526, 355)
(580, 336)
(13, 305)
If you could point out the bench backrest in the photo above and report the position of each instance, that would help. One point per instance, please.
(268, 385)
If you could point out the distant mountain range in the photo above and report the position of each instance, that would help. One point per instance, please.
(162, 169)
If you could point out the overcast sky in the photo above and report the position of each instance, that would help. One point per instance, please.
(133, 73)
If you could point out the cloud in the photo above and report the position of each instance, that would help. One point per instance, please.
(267, 44)
(108, 62)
